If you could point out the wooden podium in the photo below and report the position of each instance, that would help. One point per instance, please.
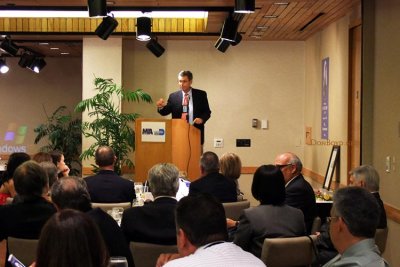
(181, 146)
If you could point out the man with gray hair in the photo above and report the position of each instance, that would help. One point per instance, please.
(353, 222)
(299, 193)
(212, 182)
(154, 222)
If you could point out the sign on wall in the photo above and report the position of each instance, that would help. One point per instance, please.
(325, 99)
(153, 131)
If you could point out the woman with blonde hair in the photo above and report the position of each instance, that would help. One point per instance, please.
(231, 168)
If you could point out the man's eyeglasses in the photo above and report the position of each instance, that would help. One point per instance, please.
(282, 166)
(330, 219)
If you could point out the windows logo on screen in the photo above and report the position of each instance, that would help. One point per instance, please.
(16, 134)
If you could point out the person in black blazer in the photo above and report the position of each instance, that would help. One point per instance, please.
(155, 221)
(299, 193)
(107, 186)
(212, 182)
(199, 110)
(71, 193)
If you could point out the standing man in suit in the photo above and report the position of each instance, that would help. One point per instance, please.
(299, 193)
(107, 186)
(155, 221)
(212, 182)
(187, 103)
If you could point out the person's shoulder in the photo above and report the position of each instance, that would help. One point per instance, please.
(198, 91)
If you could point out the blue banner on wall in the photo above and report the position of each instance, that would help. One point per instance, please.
(325, 99)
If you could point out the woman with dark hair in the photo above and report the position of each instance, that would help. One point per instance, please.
(58, 160)
(71, 238)
(272, 218)
(7, 183)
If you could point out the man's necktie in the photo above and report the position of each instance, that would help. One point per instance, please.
(185, 107)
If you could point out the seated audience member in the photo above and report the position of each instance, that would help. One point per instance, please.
(71, 238)
(7, 183)
(231, 168)
(212, 182)
(364, 176)
(107, 186)
(42, 157)
(155, 222)
(353, 221)
(202, 237)
(51, 171)
(71, 193)
(299, 193)
(272, 218)
(58, 160)
(25, 217)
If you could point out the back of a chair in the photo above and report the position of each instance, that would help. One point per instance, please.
(146, 254)
(23, 249)
(233, 210)
(288, 252)
(109, 206)
(380, 238)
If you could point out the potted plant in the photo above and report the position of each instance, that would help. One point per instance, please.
(109, 126)
(63, 133)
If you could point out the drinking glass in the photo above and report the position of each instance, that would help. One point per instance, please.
(118, 262)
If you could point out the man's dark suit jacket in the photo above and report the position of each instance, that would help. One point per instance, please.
(112, 235)
(24, 219)
(201, 108)
(217, 185)
(152, 223)
(108, 187)
(300, 194)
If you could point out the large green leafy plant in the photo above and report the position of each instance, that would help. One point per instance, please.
(63, 133)
(108, 125)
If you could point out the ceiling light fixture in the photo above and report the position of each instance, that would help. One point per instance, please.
(106, 27)
(155, 47)
(26, 59)
(97, 8)
(37, 65)
(143, 29)
(229, 29)
(9, 47)
(3, 66)
(222, 45)
(245, 6)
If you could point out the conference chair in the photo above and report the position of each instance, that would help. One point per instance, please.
(288, 251)
(23, 249)
(380, 239)
(233, 210)
(316, 226)
(109, 206)
(146, 254)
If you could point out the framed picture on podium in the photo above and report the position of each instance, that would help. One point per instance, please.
(333, 162)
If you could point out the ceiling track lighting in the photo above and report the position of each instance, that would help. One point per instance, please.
(229, 29)
(222, 45)
(155, 47)
(245, 6)
(32, 61)
(37, 65)
(9, 47)
(143, 29)
(106, 27)
(3, 66)
(97, 8)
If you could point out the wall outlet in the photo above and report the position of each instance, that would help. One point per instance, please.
(218, 142)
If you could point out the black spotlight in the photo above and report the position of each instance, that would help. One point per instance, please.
(222, 45)
(3, 66)
(155, 47)
(26, 59)
(106, 27)
(9, 47)
(237, 40)
(97, 8)
(37, 65)
(245, 6)
(143, 29)
(229, 29)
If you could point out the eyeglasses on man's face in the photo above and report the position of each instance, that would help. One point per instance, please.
(281, 166)
(330, 219)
